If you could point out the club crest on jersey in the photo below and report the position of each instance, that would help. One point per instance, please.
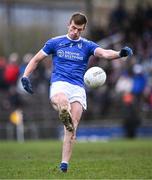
(60, 53)
(71, 45)
(79, 45)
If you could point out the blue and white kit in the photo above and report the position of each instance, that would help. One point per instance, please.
(70, 59)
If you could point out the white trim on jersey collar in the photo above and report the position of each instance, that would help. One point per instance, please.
(73, 39)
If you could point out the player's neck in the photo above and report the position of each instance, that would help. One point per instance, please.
(73, 39)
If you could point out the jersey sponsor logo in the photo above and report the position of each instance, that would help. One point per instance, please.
(69, 55)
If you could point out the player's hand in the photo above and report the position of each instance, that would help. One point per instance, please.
(27, 85)
(126, 51)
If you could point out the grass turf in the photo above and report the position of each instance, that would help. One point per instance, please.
(115, 159)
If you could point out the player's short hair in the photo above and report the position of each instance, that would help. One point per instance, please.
(78, 18)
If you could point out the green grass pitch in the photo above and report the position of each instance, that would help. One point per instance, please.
(114, 159)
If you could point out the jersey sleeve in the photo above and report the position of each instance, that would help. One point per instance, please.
(49, 46)
(92, 47)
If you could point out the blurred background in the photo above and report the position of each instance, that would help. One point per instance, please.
(122, 108)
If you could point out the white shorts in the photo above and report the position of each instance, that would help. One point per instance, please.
(73, 92)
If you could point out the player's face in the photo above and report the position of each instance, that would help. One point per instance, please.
(74, 30)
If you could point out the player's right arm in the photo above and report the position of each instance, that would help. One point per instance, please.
(33, 63)
(29, 69)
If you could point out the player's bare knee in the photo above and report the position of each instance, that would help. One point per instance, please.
(55, 107)
(60, 101)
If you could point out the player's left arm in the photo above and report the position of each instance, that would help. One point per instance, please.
(112, 54)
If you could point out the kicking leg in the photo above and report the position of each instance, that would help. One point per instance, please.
(60, 103)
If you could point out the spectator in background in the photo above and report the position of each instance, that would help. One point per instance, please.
(130, 115)
(11, 75)
(11, 72)
(139, 82)
(124, 83)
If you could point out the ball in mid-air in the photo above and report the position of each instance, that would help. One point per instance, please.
(94, 77)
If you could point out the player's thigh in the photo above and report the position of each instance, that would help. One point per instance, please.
(76, 112)
(60, 100)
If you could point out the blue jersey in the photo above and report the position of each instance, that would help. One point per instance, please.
(70, 58)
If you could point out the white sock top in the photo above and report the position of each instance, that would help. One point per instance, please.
(65, 162)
